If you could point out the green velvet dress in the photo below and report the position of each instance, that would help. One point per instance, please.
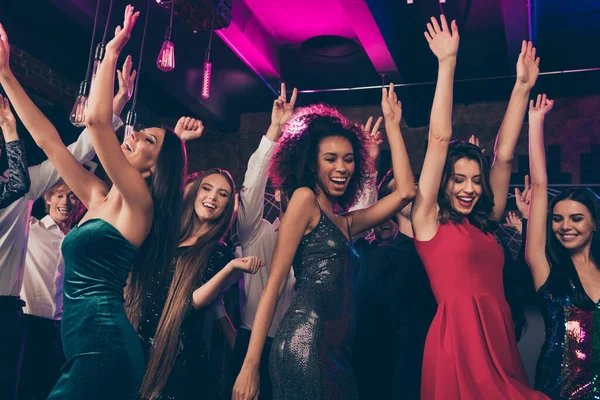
(104, 358)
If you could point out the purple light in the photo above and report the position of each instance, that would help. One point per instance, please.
(206, 79)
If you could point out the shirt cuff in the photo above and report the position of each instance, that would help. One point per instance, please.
(266, 146)
(116, 122)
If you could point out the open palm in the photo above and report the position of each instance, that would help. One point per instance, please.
(442, 40)
(122, 35)
(528, 65)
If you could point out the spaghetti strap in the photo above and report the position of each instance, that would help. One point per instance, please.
(349, 231)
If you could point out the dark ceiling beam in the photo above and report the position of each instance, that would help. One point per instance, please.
(517, 25)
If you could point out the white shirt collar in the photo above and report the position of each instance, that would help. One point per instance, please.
(48, 223)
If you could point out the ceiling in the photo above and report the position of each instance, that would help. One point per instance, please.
(356, 42)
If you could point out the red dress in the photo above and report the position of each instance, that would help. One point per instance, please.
(471, 351)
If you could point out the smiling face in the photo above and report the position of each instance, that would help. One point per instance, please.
(464, 186)
(212, 197)
(335, 165)
(142, 148)
(572, 224)
(61, 203)
(386, 231)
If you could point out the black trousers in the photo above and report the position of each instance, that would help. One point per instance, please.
(237, 360)
(42, 359)
(12, 332)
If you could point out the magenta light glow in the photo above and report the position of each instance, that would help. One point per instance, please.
(166, 58)
(206, 79)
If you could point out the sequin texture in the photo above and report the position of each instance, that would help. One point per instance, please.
(311, 356)
(188, 378)
(566, 368)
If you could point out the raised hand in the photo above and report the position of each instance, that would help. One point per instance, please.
(7, 118)
(524, 198)
(126, 79)
(249, 265)
(541, 108)
(189, 128)
(443, 41)
(528, 66)
(514, 221)
(374, 138)
(4, 51)
(475, 140)
(283, 110)
(122, 35)
(390, 105)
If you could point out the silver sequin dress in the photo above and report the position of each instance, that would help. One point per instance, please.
(311, 356)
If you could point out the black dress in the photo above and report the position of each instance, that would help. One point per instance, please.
(311, 355)
(189, 376)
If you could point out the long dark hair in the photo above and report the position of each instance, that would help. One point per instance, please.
(481, 215)
(564, 279)
(294, 163)
(189, 270)
(166, 188)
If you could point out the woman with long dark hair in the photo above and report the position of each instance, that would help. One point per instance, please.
(470, 351)
(320, 165)
(167, 302)
(563, 253)
(104, 355)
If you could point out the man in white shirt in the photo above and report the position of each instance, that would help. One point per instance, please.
(257, 237)
(42, 292)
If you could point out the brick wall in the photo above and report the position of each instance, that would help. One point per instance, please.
(571, 131)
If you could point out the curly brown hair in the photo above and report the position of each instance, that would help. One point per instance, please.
(294, 163)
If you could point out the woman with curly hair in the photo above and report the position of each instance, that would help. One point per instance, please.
(470, 351)
(321, 166)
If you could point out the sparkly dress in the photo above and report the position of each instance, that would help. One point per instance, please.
(569, 364)
(470, 351)
(188, 378)
(311, 354)
(103, 353)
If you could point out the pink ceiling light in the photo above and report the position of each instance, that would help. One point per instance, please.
(166, 57)
(206, 75)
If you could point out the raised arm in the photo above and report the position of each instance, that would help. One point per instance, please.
(125, 177)
(301, 213)
(18, 181)
(506, 140)
(361, 220)
(252, 195)
(443, 42)
(368, 197)
(535, 248)
(83, 183)
(207, 293)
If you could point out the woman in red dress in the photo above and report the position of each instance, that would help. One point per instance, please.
(471, 351)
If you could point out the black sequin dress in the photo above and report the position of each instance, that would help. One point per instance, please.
(311, 355)
(569, 365)
(188, 378)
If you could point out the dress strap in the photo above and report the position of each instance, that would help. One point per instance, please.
(348, 226)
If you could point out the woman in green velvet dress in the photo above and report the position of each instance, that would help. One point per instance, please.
(135, 219)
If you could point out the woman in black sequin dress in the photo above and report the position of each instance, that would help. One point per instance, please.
(168, 304)
(563, 253)
(321, 166)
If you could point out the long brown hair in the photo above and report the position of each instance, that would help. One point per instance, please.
(189, 270)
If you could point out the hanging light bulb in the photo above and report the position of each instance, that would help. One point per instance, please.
(206, 76)
(98, 57)
(166, 58)
(79, 110)
(129, 123)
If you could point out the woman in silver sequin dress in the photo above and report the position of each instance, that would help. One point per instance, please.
(320, 165)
